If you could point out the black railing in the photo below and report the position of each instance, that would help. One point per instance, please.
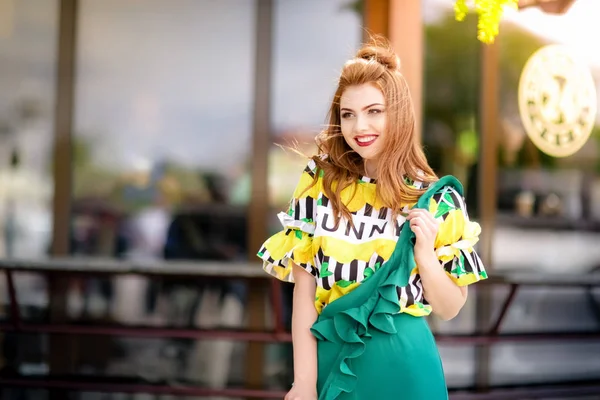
(56, 269)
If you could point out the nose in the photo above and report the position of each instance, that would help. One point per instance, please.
(362, 124)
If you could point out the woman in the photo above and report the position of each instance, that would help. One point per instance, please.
(374, 242)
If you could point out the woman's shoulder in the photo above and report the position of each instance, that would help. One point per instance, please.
(416, 183)
(314, 166)
(311, 167)
(310, 182)
(420, 180)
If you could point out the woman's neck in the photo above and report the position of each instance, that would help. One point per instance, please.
(371, 169)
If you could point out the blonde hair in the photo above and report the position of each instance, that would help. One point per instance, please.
(402, 156)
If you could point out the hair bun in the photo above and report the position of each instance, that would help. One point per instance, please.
(384, 55)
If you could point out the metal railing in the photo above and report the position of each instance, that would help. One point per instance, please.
(77, 267)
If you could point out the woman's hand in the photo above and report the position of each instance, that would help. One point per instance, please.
(425, 227)
(440, 291)
(301, 392)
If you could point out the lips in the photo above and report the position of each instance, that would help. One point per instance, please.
(366, 140)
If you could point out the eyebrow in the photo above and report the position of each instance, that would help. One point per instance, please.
(364, 108)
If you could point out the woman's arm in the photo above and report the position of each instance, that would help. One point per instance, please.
(304, 315)
(445, 297)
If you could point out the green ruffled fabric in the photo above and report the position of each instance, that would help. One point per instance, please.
(348, 320)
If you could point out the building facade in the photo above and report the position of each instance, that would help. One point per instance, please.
(147, 131)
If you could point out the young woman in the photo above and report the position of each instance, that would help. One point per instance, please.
(374, 242)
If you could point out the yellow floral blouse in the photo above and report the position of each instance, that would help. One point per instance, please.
(341, 258)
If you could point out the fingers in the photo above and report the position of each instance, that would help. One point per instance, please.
(424, 220)
(419, 212)
(424, 223)
(417, 230)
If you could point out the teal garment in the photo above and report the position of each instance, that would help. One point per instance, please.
(368, 350)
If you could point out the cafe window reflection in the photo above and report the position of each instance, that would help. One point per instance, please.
(451, 86)
(163, 129)
(546, 201)
(161, 153)
(28, 39)
(547, 219)
(27, 42)
(311, 41)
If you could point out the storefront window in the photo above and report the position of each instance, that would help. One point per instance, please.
(163, 121)
(451, 96)
(28, 42)
(28, 34)
(312, 40)
(548, 220)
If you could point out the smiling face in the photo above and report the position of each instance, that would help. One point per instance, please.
(363, 120)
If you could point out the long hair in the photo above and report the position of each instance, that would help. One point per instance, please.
(402, 156)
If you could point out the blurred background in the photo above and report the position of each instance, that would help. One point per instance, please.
(143, 161)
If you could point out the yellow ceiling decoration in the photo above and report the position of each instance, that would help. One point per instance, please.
(489, 13)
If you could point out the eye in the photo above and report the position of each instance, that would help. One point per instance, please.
(375, 111)
(346, 114)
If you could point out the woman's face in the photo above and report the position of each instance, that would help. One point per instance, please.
(363, 119)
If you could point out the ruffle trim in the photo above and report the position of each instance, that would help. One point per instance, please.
(297, 249)
(290, 222)
(350, 327)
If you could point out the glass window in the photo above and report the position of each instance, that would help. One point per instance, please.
(28, 42)
(459, 368)
(538, 363)
(548, 218)
(28, 35)
(548, 205)
(163, 126)
(451, 95)
(163, 123)
(312, 40)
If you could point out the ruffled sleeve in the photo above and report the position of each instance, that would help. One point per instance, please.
(294, 242)
(456, 238)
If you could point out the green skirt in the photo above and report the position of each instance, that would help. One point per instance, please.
(366, 349)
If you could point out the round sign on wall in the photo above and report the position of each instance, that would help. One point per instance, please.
(557, 101)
